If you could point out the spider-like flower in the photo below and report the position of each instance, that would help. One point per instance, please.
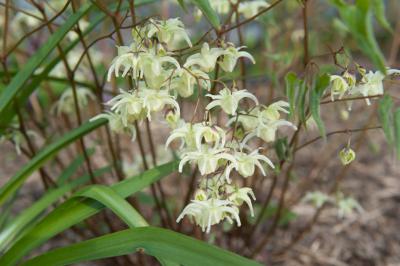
(251, 8)
(184, 81)
(317, 198)
(66, 103)
(128, 105)
(126, 61)
(207, 158)
(209, 212)
(210, 134)
(339, 86)
(229, 100)
(116, 124)
(154, 68)
(231, 55)
(240, 195)
(271, 112)
(186, 132)
(346, 206)
(206, 59)
(168, 31)
(156, 100)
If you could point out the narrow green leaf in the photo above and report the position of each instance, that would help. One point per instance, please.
(112, 200)
(154, 241)
(76, 210)
(27, 218)
(290, 89)
(378, 6)
(208, 11)
(17, 83)
(315, 98)
(301, 101)
(44, 155)
(385, 116)
(71, 169)
(397, 131)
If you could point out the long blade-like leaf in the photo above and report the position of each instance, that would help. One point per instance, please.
(44, 155)
(76, 210)
(157, 242)
(209, 13)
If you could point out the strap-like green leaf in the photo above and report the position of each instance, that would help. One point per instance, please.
(208, 11)
(18, 227)
(315, 97)
(112, 200)
(76, 210)
(385, 116)
(397, 131)
(158, 242)
(290, 89)
(44, 155)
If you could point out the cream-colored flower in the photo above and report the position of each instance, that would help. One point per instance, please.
(229, 100)
(347, 206)
(206, 158)
(239, 195)
(317, 198)
(116, 124)
(231, 55)
(66, 103)
(209, 212)
(128, 105)
(339, 86)
(206, 59)
(168, 31)
(126, 61)
(156, 100)
(184, 81)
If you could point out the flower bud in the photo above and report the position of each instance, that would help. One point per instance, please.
(346, 156)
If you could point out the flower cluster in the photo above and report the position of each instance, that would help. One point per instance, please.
(219, 152)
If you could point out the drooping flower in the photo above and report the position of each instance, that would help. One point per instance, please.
(210, 134)
(184, 81)
(229, 100)
(339, 86)
(206, 158)
(346, 206)
(116, 123)
(231, 55)
(246, 163)
(126, 61)
(156, 100)
(128, 105)
(66, 103)
(206, 59)
(209, 212)
(239, 195)
(168, 31)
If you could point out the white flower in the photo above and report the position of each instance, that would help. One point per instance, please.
(66, 103)
(211, 134)
(126, 61)
(231, 55)
(346, 206)
(184, 81)
(153, 67)
(317, 198)
(116, 123)
(209, 212)
(228, 100)
(372, 84)
(240, 195)
(339, 86)
(156, 100)
(128, 105)
(168, 31)
(248, 120)
(206, 59)
(246, 163)
(206, 158)
(272, 111)
(251, 8)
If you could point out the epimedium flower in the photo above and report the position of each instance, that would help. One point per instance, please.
(246, 163)
(127, 61)
(66, 103)
(210, 212)
(186, 132)
(339, 86)
(206, 59)
(206, 158)
(229, 100)
(346, 206)
(239, 195)
(210, 134)
(128, 105)
(184, 81)
(116, 123)
(168, 31)
(156, 100)
(230, 57)
(317, 198)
